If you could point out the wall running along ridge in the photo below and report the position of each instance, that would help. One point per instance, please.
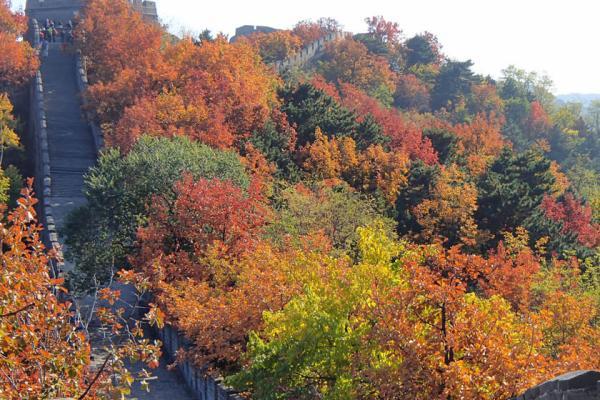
(202, 387)
(309, 52)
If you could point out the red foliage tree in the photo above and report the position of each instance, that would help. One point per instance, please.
(412, 93)
(405, 136)
(18, 61)
(538, 121)
(219, 94)
(310, 31)
(575, 217)
(205, 214)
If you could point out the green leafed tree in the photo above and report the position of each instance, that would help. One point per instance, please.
(102, 234)
(309, 108)
(453, 84)
(512, 190)
(337, 212)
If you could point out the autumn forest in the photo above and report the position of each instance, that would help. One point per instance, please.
(378, 222)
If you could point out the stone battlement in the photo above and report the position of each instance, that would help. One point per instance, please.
(248, 30)
(64, 10)
(147, 8)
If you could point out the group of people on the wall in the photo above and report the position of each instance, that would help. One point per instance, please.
(55, 31)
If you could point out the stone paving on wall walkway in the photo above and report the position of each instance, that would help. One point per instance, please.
(72, 152)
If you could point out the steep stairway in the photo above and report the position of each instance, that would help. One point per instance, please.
(71, 146)
(72, 152)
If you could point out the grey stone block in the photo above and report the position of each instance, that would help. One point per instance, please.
(577, 385)
(578, 380)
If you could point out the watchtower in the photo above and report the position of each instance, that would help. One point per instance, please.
(58, 10)
(64, 10)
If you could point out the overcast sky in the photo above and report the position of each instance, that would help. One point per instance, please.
(558, 37)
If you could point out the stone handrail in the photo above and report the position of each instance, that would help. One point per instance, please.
(202, 386)
(82, 83)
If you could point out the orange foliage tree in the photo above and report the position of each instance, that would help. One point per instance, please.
(485, 100)
(309, 31)
(219, 94)
(412, 93)
(44, 354)
(447, 342)
(405, 136)
(538, 121)
(349, 61)
(480, 141)
(275, 46)
(123, 55)
(18, 61)
(218, 314)
(370, 170)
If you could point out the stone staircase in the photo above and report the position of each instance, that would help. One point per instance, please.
(71, 151)
(70, 145)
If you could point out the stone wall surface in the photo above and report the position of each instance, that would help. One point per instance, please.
(309, 53)
(202, 387)
(578, 385)
(38, 126)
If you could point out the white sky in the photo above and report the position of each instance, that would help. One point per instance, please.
(558, 37)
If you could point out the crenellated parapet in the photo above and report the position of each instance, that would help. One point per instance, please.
(310, 52)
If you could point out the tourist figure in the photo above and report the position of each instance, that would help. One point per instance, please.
(62, 31)
(45, 48)
(48, 34)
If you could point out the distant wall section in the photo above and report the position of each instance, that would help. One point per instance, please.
(309, 53)
(248, 30)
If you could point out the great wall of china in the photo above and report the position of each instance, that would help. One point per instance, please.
(65, 144)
